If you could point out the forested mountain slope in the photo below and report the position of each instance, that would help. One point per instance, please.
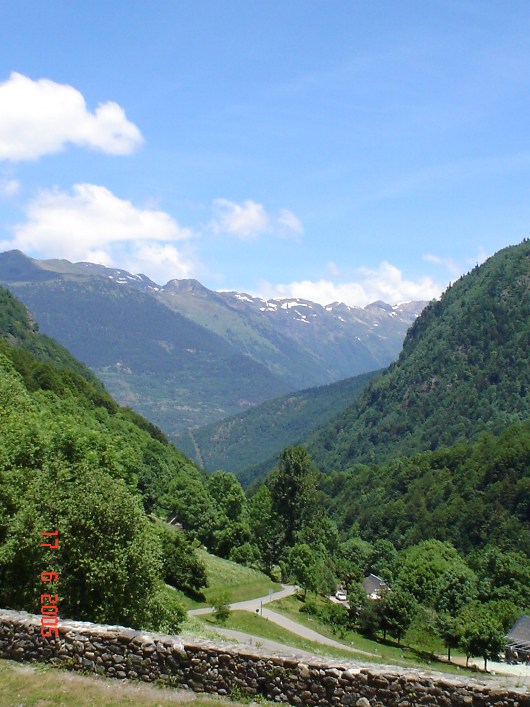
(469, 495)
(463, 370)
(19, 335)
(175, 372)
(260, 434)
(75, 463)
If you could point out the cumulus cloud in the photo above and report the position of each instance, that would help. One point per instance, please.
(385, 283)
(89, 220)
(245, 220)
(41, 117)
(249, 219)
(160, 261)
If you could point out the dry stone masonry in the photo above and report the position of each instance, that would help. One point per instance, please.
(203, 666)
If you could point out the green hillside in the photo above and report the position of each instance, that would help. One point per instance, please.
(469, 495)
(260, 434)
(463, 370)
(73, 463)
(20, 336)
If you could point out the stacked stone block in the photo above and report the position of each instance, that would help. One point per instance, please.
(202, 666)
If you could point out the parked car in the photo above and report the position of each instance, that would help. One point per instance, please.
(340, 595)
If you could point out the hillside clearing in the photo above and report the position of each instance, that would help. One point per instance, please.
(238, 582)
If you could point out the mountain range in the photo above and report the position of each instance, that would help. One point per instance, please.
(463, 371)
(71, 458)
(184, 355)
(304, 343)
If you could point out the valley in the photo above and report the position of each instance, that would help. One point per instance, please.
(439, 512)
(185, 356)
(265, 353)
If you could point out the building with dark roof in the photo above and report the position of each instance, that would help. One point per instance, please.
(518, 639)
(374, 586)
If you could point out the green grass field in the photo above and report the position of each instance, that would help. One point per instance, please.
(239, 583)
(23, 685)
(242, 583)
(257, 626)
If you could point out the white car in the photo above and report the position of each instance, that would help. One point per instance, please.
(340, 595)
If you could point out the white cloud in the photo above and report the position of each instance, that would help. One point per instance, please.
(9, 188)
(455, 268)
(249, 219)
(333, 269)
(101, 257)
(448, 263)
(41, 117)
(245, 220)
(160, 261)
(385, 283)
(88, 221)
(290, 224)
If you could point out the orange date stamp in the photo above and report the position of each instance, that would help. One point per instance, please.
(48, 602)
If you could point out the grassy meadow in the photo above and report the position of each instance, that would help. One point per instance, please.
(36, 685)
(237, 582)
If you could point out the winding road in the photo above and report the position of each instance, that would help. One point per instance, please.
(516, 679)
(259, 606)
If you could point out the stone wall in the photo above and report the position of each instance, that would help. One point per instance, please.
(208, 667)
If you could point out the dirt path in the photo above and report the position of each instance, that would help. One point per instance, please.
(274, 648)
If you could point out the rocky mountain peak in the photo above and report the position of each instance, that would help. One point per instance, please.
(185, 286)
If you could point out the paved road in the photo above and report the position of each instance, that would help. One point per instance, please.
(259, 605)
(308, 633)
(497, 680)
(252, 604)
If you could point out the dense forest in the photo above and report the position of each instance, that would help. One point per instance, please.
(448, 531)
(468, 495)
(72, 460)
(463, 370)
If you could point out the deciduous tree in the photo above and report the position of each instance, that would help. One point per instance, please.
(396, 611)
(293, 491)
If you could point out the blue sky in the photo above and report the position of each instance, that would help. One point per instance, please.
(329, 149)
